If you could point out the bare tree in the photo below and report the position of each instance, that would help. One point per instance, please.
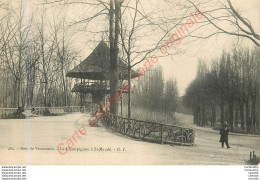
(225, 18)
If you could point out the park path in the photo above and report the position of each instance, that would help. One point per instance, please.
(48, 132)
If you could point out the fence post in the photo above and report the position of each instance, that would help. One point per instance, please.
(161, 133)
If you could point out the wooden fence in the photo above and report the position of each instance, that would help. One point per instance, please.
(150, 131)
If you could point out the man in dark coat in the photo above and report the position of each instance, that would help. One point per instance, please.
(224, 136)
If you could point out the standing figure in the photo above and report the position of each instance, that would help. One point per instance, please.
(224, 136)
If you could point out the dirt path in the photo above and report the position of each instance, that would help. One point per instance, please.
(100, 146)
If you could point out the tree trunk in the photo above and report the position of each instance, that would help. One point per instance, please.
(236, 116)
(114, 53)
(253, 115)
(32, 84)
(203, 115)
(18, 93)
(222, 112)
(15, 93)
(64, 88)
(247, 117)
(214, 116)
(45, 93)
(242, 115)
(194, 115)
(231, 115)
(129, 92)
(199, 116)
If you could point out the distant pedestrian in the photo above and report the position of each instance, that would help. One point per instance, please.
(224, 136)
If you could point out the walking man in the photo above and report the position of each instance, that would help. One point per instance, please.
(224, 136)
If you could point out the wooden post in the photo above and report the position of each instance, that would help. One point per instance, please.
(161, 133)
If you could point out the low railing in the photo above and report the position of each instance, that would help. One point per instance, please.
(150, 131)
(7, 113)
(66, 109)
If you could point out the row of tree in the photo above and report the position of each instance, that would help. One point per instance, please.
(35, 54)
(154, 94)
(227, 91)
